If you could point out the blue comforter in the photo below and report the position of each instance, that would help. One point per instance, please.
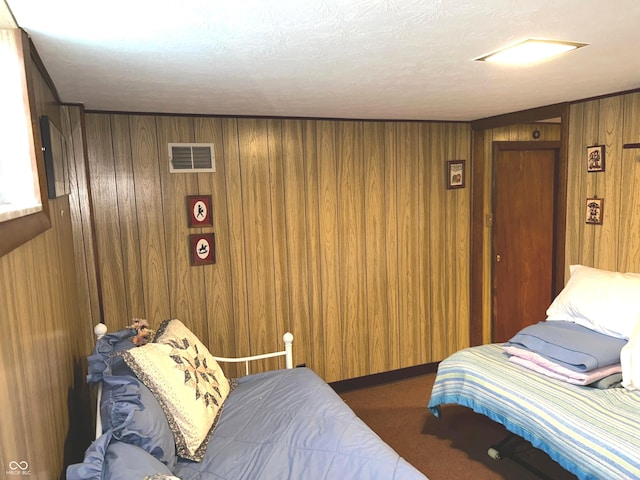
(290, 424)
(570, 345)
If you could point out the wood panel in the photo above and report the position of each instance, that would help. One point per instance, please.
(391, 242)
(410, 262)
(236, 252)
(449, 247)
(217, 280)
(185, 283)
(45, 330)
(589, 184)
(258, 228)
(114, 288)
(150, 218)
(610, 135)
(375, 246)
(329, 250)
(460, 211)
(296, 293)
(340, 231)
(127, 225)
(628, 242)
(16, 435)
(351, 253)
(280, 212)
(575, 192)
(615, 244)
(437, 242)
(81, 218)
(317, 328)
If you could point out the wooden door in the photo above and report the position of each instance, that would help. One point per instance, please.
(523, 240)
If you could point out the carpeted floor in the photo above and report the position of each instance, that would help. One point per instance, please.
(454, 447)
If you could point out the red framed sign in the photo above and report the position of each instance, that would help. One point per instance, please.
(199, 210)
(203, 249)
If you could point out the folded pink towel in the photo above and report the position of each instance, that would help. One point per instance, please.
(540, 364)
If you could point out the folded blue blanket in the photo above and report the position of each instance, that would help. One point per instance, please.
(570, 345)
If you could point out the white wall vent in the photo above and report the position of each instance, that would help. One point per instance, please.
(191, 157)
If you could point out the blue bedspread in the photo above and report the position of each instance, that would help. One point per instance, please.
(290, 424)
(570, 345)
(592, 433)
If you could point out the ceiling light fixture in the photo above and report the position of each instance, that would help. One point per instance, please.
(530, 51)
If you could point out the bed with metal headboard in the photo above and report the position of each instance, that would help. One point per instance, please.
(167, 410)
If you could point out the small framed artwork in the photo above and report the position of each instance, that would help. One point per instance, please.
(199, 210)
(203, 249)
(455, 174)
(594, 211)
(595, 158)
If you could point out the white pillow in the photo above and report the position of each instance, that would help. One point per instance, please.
(604, 301)
(187, 382)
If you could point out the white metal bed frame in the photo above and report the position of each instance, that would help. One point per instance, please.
(101, 329)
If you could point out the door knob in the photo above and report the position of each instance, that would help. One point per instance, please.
(498, 258)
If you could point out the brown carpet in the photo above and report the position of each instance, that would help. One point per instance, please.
(454, 447)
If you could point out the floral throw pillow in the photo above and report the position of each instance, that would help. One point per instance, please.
(187, 382)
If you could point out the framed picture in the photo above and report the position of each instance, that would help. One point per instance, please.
(56, 164)
(203, 249)
(595, 158)
(199, 210)
(455, 174)
(594, 210)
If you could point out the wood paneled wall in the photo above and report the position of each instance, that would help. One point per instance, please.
(340, 231)
(45, 336)
(614, 245)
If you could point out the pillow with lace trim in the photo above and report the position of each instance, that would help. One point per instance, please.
(187, 382)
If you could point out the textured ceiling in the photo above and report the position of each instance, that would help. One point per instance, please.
(378, 59)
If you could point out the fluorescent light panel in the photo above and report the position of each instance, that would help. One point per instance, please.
(530, 51)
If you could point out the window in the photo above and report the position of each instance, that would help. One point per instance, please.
(23, 204)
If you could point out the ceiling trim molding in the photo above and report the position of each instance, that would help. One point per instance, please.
(607, 95)
(523, 116)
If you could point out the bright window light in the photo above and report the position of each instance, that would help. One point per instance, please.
(530, 51)
(19, 187)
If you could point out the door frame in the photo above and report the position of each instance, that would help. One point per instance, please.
(480, 269)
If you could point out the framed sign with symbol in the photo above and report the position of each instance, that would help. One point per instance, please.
(199, 210)
(455, 174)
(203, 249)
(595, 209)
(595, 158)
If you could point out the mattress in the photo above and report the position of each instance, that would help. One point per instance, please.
(290, 424)
(590, 432)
